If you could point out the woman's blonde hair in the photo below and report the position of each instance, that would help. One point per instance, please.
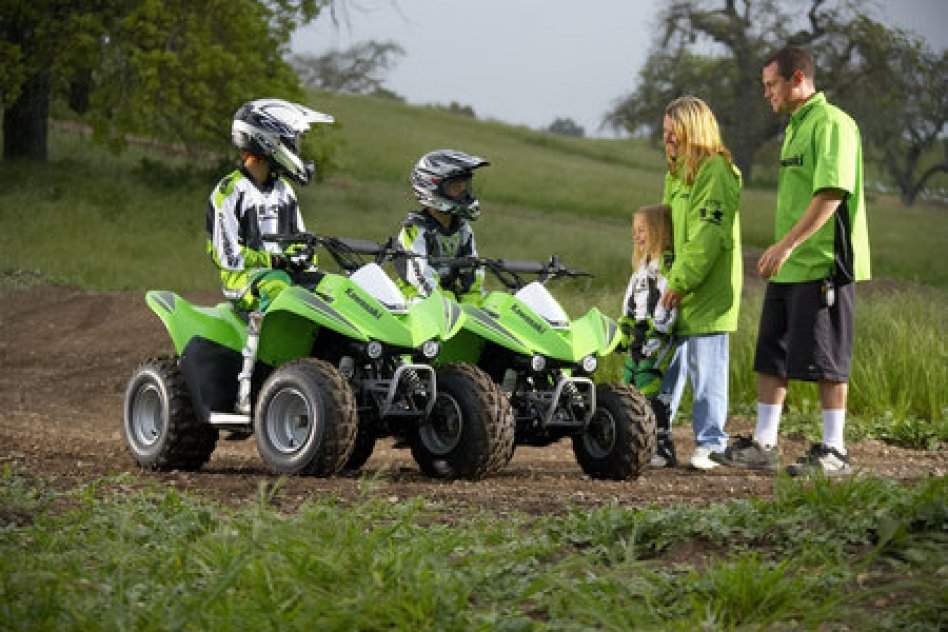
(698, 137)
(658, 233)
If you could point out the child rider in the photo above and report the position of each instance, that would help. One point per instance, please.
(254, 200)
(441, 181)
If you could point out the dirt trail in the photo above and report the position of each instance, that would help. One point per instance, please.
(65, 356)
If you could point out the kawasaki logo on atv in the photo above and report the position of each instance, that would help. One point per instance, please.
(361, 302)
(536, 326)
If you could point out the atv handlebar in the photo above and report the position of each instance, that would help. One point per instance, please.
(521, 266)
(508, 271)
(361, 246)
(346, 251)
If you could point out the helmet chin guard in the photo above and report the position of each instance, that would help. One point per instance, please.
(273, 128)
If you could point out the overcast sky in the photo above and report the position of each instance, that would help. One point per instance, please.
(528, 62)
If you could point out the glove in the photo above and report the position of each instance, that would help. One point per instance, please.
(651, 346)
(299, 262)
(299, 257)
(291, 263)
(626, 326)
(279, 262)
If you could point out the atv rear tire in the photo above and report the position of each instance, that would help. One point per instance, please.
(470, 429)
(619, 440)
(305, 419)
(161, 430)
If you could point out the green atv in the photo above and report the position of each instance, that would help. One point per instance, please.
(545, 362)
(337, 361)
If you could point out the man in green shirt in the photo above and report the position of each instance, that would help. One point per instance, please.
(821, 249)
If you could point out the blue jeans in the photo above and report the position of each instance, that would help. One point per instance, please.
(704, 361)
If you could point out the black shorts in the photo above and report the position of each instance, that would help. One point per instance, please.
(799, 338)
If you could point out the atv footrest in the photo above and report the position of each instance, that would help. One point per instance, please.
(230, 421)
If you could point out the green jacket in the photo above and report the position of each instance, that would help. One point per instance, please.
(708, 268)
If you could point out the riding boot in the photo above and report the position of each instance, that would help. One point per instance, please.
(665, 447)
(250, 358)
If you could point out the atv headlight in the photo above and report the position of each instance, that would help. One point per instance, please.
(537, 363)
(430, 349)
(590, 363)
(374, 350)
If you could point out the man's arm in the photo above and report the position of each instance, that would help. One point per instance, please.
(821, 208)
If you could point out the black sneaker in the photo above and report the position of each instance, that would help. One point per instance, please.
(821, 459)
(748, 454)
(664, 453)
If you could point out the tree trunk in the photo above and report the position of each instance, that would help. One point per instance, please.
(743, 154)
(25, 121)
(911, 193)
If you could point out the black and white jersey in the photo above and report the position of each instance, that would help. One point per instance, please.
(425, 237)
(239, 213)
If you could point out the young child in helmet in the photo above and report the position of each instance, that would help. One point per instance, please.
(441, 181)
(257, 199)
(645, 324)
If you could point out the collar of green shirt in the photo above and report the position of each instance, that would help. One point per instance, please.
(817, 99)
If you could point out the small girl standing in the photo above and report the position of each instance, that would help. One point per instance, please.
(646, 325)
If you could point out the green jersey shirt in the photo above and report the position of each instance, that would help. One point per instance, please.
(822, 150)
(708, 268)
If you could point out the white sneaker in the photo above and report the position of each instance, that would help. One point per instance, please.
(701, 459)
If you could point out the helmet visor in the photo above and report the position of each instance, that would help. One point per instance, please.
(459, 189)
(291, 142)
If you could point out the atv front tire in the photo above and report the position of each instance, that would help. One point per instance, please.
(364, 444)
(305, 419)
(470, 430)
(161, 430)
(619, 440)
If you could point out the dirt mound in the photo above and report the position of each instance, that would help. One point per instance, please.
(65, 357)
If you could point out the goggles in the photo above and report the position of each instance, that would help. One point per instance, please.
(458, 189)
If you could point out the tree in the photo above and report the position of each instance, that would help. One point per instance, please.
(458, 109)
(173, 70)
(566, 127)
(735, 36)
(356, 70)
(899, 97)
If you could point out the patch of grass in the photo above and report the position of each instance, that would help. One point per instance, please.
(123, 554)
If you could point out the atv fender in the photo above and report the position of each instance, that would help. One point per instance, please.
(293, 320)
(184, 321)
(596, 326)
(208, 341)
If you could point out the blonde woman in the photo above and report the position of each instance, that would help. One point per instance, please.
(703, 189)
(646, 325)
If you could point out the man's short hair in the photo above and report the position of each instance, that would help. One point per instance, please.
(791, 59)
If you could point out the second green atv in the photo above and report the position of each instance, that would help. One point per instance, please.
(545, 362)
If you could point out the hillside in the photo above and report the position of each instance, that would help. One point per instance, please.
(541, 195)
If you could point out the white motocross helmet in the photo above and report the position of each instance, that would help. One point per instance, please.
(272, 128)
(436, 169)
